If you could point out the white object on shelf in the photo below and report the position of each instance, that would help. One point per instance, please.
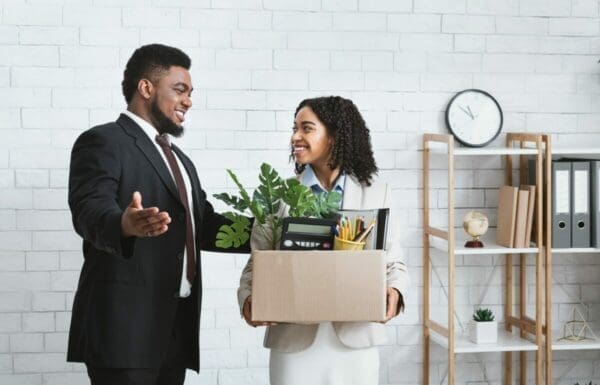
(575, 151)
(507, 342)
(589, 344)
(581, 250)
(489, 245)
(483, 332)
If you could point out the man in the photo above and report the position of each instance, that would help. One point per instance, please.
(137, 203)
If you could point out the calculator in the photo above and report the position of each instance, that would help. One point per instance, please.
(301, 233)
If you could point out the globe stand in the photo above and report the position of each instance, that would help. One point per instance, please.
(474, 243)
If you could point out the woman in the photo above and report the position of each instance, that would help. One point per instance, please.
(332, 152)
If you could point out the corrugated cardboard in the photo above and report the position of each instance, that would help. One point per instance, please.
(318, 286)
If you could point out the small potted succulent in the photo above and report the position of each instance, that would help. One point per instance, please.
(484, 329)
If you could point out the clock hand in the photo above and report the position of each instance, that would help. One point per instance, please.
(471, 112)
(468, 112)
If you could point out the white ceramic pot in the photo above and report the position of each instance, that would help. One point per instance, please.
(484, 332)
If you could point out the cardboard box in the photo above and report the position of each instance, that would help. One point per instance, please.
(318, 286)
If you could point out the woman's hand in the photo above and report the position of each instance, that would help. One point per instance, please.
(393, 299)
(248, 315)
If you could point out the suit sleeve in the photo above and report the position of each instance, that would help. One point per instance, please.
(397, 272)
(93, 186)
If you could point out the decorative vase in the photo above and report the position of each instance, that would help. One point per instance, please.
(484, 332)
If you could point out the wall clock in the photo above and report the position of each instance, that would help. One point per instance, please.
(474, 117)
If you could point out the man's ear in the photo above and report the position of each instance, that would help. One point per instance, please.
(145, 88)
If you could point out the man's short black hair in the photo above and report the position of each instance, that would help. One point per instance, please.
(148, 62)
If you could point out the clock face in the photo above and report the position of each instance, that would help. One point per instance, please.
(474, 118)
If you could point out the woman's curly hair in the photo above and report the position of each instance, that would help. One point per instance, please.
(351, 150)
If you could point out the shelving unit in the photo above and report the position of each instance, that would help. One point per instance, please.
(445, 240)
(553, 344)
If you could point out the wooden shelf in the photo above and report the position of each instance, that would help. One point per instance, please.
(444, 146)
(489, 241)
(440, 148)
(507, 342)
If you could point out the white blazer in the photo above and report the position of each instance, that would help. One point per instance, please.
(296, 337)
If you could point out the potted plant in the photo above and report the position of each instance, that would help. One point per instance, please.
(266, 206)
(484, 329)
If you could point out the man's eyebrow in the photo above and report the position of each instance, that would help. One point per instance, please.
(184, 85)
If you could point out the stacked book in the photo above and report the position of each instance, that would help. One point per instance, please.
(514, 220)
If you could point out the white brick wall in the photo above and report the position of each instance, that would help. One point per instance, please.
(61, 64)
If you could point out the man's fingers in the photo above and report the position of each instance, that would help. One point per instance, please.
(145, 213)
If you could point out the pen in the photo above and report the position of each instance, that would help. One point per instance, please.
(365, 233)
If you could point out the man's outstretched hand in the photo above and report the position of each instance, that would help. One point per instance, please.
(138, 221)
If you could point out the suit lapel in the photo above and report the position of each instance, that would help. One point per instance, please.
(191, 171)
(149, 150)
(353, 193)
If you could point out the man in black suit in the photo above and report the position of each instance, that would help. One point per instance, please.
(137, 307)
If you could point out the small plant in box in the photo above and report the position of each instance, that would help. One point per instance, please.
(484, 328)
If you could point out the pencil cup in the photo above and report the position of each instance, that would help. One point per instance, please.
(342, 244)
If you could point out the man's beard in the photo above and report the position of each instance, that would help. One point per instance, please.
(162, 123)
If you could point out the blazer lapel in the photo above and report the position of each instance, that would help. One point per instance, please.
(150, 151)
(191, 171)
(353, 193)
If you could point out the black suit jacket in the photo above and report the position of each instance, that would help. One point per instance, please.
(125, 303)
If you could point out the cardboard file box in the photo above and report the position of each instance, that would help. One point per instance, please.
(318, 286)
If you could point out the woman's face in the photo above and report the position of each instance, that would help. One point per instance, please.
(311, 143)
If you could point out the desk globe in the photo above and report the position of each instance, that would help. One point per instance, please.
(475, 224)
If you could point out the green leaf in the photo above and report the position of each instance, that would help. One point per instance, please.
(299, 198)
(326, 204)
(232, 201)
(252, 205)
(235, 234)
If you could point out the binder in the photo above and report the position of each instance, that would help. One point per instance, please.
(561, 204)
(580, 204)
(595, 203)
(521, 218)
(506, 216)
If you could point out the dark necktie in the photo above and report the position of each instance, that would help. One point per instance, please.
(189, 236)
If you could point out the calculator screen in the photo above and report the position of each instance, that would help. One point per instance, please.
(309, 229)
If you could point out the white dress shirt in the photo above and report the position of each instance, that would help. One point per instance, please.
(185, 287)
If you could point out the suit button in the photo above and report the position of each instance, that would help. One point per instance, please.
(181, 217)
(176, 295)
(180, 256)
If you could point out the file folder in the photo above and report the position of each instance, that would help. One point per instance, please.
(595, 203)
(561, 204)
(506, 216)
(521, 219)
(580, 204)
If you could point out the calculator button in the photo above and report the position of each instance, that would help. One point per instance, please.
(288, 243)
(326, 245)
